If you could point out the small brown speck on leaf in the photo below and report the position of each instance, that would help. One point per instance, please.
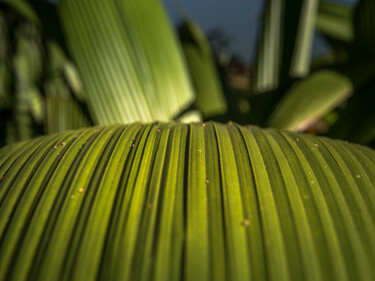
(296, 140)
(207, 181)
(80, 190)
(1, 178)
(203, 124)
(149, 205)
(158, 130)
(357, 176)
(54, 147)
(316, 145)
(63, 143)
(245, 223)
(230, 123)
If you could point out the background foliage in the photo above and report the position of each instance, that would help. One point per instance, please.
(168, 200)
(132, 69)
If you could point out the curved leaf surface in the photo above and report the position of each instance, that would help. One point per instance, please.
(127, 54)
(176, 201)
(309, 99)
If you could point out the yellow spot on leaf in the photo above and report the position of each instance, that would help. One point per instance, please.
(245, 223)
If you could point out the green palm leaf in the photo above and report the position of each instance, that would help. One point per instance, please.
(64, 103)
(172, 201)
(285, 44)
(309, 99)
(335, 21)
(210, 96)
(190, 116)
(130, 62)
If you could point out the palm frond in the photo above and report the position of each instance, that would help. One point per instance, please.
(285, 43)
(170, 201)
(128, 56)
(210, 98)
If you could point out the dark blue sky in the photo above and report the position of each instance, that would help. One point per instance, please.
(237, 18)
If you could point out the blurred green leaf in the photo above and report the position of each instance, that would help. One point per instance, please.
(364, 24)
(23, 9)
(285, 43)
(266, 75)
(210, 98)
(335, 21)
(190, 116)
(309, 99)
(356, 120)
(64, 102)
(5, 87)
(73, 79)
(171, 201)
(301, 58)
(48, 15)
(129, 59)
(27, 68)
(40, 90)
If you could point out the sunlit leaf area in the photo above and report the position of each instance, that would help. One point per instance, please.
(137, 144)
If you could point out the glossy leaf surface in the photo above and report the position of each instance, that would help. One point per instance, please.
(172, 201)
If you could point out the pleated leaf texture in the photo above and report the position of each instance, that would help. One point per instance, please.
(173, 201)
(130, 62)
